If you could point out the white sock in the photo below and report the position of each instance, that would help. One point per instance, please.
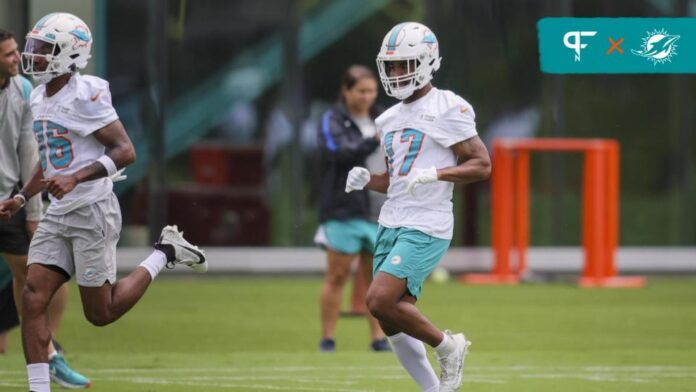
(446, 346)
(154, 263)
(39, 380)
(412, 355)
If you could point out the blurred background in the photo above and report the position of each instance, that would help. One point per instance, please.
(222, 100)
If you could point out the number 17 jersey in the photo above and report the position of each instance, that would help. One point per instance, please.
(63, 126)
(418, 135)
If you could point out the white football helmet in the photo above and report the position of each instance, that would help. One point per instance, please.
(416, 46)
(59, 43)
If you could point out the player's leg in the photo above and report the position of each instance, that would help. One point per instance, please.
(379, 342)
(103, 299)
(403, 256)
(400, 276)
(410, 351)
(338, 271)
(107, 303)
(42, 282)
(412, 354)
(52, 251)
(18, 266)
(56, 308)
(384, 300)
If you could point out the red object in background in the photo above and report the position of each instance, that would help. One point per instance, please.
(226, 205)
(220, 216)
(215, 216)
(220, 164)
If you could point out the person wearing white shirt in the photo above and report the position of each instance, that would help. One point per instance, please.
(430, 142)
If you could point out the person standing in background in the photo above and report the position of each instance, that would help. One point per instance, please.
(348, 230)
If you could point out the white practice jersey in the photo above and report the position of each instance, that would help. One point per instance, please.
(63, 125)
(419, 135)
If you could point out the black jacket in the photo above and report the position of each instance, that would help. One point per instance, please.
(341, 147)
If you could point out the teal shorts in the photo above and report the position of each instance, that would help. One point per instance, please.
(350, 237)
(408, 254)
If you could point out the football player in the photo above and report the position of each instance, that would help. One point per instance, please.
(430, 142)
(82, 145)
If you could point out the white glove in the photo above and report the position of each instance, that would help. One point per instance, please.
(358, 177)
(419, 177)
(118, 176)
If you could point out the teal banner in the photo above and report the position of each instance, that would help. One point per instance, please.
(617, 45)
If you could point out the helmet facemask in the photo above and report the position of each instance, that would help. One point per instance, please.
(404, 85)
(40, 59)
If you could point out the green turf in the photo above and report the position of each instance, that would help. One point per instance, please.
(259, 334)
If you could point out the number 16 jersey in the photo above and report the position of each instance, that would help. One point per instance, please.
(63, 126)
(418, 135)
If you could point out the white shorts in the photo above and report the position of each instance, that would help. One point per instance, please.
(81, 242)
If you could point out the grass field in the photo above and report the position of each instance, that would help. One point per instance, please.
(257, 334)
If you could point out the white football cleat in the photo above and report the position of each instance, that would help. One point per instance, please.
(180, 251)
(452, 365)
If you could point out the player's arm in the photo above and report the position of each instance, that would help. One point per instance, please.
(360, 178)
(474, 163)
(119, 154)
(378, 183)
(119, 149)
(32, 187)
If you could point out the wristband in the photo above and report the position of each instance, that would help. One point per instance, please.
(22, 197)
(108, 164)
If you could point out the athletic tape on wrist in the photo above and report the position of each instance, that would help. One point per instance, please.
(108, 164)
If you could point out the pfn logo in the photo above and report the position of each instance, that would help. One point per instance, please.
(572, 40)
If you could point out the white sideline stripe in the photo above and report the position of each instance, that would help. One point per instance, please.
(282, 260)
(689, 371)
(13, 385)
(294, 378)
(230, 385)
(631, 374)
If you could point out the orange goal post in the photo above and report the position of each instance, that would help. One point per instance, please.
(600, 210)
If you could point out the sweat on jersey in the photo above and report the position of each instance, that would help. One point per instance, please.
(63, 125)
(18, 152)
(419, 135)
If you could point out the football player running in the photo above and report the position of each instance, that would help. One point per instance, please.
(82, 146)
(18, 157)
(430, 141)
